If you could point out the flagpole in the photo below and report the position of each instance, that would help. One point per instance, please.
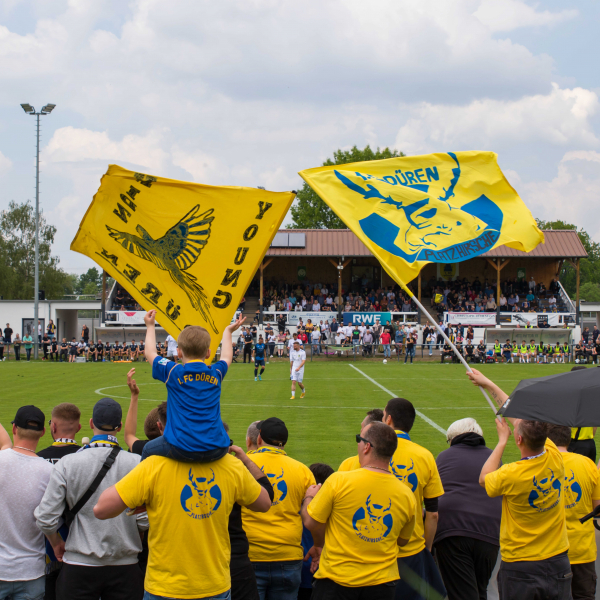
(456, 352)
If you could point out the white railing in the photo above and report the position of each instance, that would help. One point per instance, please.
(565, 298)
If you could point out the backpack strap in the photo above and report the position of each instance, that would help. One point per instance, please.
(108, 463)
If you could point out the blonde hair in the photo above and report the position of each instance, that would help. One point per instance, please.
(29, 434)
(194, 341)
(461, 426)
(66, 412)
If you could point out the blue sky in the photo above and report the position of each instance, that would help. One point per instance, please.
(249, 93)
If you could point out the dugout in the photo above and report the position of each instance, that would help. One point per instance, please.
(337, 256)
(517, 335)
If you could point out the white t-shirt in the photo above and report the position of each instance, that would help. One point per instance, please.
(23, 481)
(272, 339)
(316, 336)
(292, 341)
(171, 345)
(296, 358)
(348, 331)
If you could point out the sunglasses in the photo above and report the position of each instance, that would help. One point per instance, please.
(360, 439)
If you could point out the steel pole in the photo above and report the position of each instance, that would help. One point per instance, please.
(36, 298)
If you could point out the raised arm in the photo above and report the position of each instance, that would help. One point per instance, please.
(150, 344)
(493, 462)
(227, 344)
(495, 392)
(131, 420)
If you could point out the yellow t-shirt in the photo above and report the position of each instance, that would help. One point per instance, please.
(415, 466)
(277, 535)
(533, 525)
(582, 486)
(350, 464)
(188, 510)
(366, 513)
(586, 433)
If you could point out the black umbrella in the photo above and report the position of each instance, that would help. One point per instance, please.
(571, 399)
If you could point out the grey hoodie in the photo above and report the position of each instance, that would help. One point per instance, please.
(91, 541)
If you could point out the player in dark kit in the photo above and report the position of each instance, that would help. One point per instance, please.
(54, 349)
(90, 351)
(470, 352)
(259, 358)
(100, 350)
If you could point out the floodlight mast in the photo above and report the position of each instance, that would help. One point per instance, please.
(30, 110)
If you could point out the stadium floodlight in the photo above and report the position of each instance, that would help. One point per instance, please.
(46, 110)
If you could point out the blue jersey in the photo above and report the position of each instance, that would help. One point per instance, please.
(259, 352)
(193, 403)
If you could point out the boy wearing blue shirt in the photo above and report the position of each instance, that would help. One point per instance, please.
(194, 430)
(259, 358)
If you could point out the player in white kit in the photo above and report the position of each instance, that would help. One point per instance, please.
(297, 360)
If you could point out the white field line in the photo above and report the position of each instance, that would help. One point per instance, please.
(419, 413)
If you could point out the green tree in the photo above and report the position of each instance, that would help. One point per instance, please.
(590, 292)
(310, 212)
(90, 282)
(589, 268)
(17, 255)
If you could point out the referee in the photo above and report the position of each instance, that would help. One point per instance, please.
(247, 336)
(582, 438)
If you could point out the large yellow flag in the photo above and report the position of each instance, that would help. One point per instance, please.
(415, 210)
(187, 250)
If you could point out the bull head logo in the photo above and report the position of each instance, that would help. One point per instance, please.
(544, 490)
(573, 491)
(280, 488)
(375, 523)
(406, 474)
(202, 496)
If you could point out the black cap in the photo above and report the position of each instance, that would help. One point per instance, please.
(273, 431)
(107, 414)
(30, 417)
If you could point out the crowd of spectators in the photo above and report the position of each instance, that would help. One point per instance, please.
(463, 295)
(317, 297)
(256, 524)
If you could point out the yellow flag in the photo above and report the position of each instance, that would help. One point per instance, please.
(416, 210)
(187, 250)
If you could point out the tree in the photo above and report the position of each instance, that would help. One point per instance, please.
(589, 268)
(90, 282)
(590, 292)
(310, 212)
(17, 255)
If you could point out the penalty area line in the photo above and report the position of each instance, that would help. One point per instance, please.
(419, 413)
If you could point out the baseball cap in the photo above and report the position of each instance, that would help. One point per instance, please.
(273, 431)
(107, 414)
(30, 417)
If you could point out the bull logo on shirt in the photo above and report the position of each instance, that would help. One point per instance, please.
(201, 497)
(373, 522)
(572, 490)
(545, 493)
(280, 489)
(406, 474)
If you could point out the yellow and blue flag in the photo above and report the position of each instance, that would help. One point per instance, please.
(414, 210)
(185, 249)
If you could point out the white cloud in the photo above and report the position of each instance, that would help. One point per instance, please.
(5, 164)
(69, 144)
(572, 195)
(560, 118)
(507, 15)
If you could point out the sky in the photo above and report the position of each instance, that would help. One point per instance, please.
(251, 92)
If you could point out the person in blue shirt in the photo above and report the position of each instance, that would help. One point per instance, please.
(194, 430)
(259, 358)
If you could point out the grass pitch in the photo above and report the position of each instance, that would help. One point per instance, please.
(322, 425)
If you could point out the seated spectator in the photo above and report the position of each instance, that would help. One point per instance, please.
(530, 297)
(490, 304)
(468, 531)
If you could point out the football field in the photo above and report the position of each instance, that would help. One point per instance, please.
(322, 425)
